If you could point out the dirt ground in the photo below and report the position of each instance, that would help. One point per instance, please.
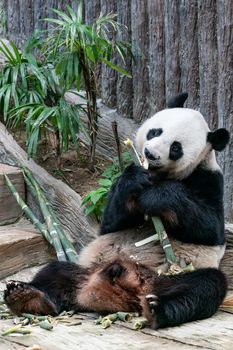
(71, 169)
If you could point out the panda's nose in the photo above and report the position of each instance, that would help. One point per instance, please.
(150, 156)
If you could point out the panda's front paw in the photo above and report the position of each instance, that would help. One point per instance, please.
(135, 178)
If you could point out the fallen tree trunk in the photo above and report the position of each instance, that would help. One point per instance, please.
(63, 199)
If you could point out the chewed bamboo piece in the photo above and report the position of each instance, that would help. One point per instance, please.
(171, 258)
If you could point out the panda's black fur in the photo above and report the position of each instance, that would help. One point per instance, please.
(113, 275)
(196, 203)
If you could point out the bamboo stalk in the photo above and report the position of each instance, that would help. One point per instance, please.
(37, 192)
(166, 245)
(27, 211)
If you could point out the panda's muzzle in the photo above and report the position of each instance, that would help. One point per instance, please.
(150, 156)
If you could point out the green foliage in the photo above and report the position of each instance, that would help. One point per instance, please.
(96, 200)
(76, 48)
(30, 93)
(32, 90)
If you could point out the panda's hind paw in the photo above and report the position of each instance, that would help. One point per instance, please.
(152, 300)
(22, 297)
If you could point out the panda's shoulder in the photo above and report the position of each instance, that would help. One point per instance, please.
(205, 179)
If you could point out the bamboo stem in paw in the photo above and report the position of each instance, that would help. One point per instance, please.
(166, 245)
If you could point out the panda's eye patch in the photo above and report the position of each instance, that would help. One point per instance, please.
(176, 151)
(153, 133)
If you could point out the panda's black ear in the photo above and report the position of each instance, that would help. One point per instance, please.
(178, 100)
(218, 139)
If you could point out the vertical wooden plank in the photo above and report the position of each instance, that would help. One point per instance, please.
(26, 11)
(13, 21)
(92, 12)
(172, 47)
(156, 55)
(124, 84)
(139, 26)
(42, 10)
(207, 48)
(189, 51)
(225, 94)
(109, 76)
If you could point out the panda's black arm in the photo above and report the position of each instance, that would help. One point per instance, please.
(187, 297)
(122, 211)
(193, 220)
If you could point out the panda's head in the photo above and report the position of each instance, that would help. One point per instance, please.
(177, 140)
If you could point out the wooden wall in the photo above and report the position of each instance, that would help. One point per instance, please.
(187, 46)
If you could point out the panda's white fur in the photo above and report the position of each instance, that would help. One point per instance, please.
(122, 244)
(186, 126)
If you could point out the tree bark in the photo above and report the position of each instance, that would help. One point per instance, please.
(156, 55)
(225, 93)
(139, 26)
(207, 48)
(124, 84)
(172, 48)
(109, 76)
(189, 63)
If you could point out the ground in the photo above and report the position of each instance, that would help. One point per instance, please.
(72, 169)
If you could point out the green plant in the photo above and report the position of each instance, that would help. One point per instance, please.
(96, 200)
(31, 93)
(77, 48)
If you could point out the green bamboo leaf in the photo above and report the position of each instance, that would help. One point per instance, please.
(6, 102)
(16, 52)
(33, 143)
(80, 12)
(96, 197)
(115, 67)
(105, 182)
(61, 14)
(7, 52)
(56, 21)
(90, 209)
(72, 13)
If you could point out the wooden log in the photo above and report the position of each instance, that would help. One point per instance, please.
(63, 199)
(10, 211)
(21, 246)
(105, 139)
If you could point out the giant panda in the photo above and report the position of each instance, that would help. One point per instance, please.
(184, 187)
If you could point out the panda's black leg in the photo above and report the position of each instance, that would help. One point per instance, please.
(185, 297)
(22, 298)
